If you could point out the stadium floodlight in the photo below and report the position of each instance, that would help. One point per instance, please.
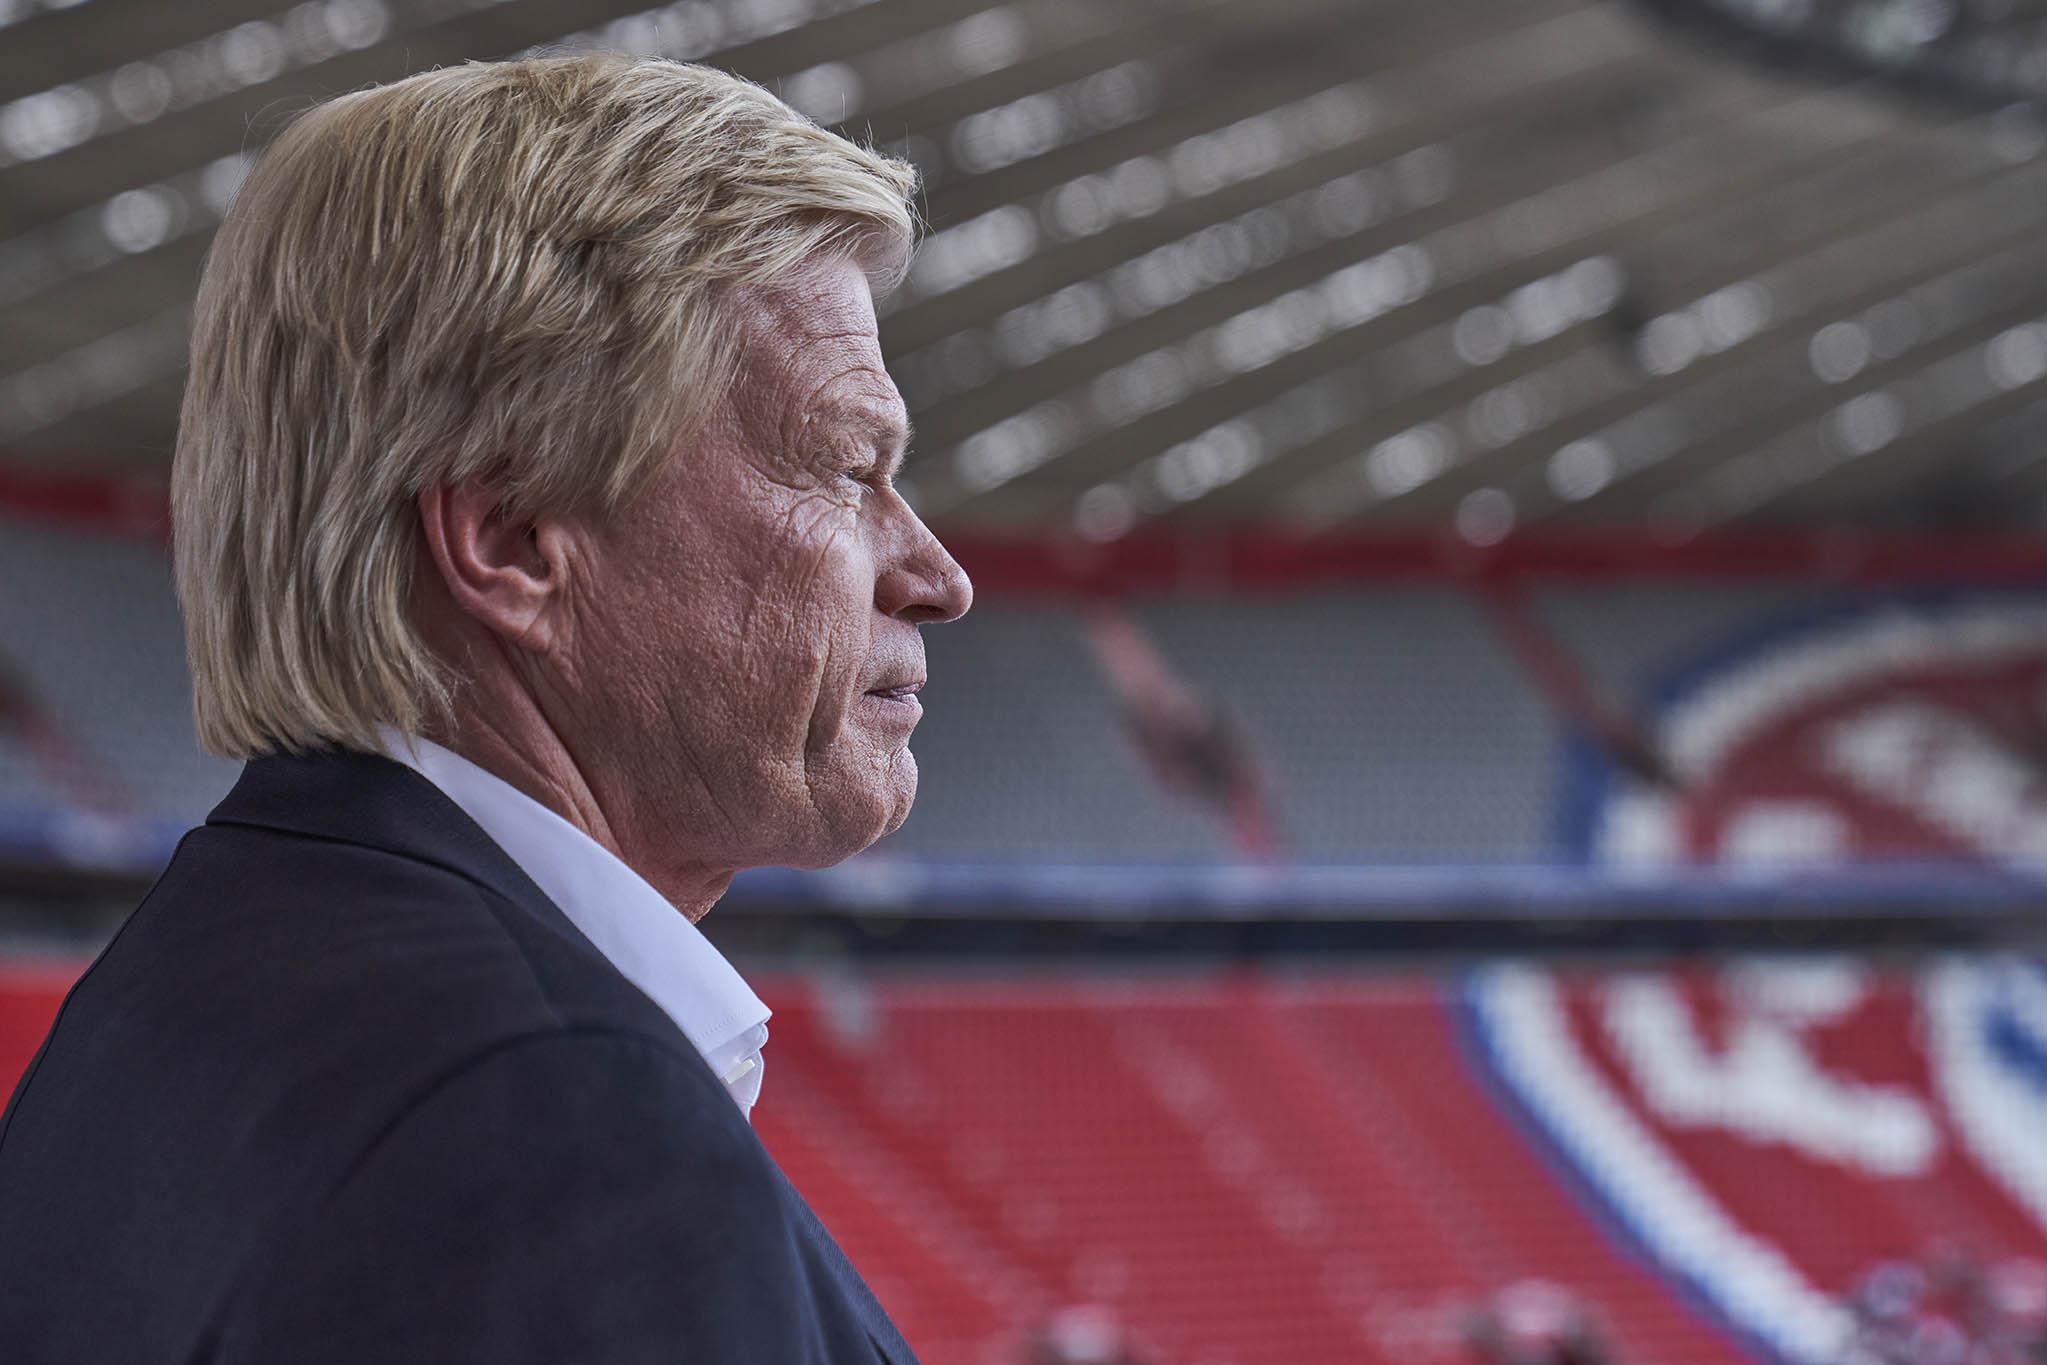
(1984, 53)
(15, 11)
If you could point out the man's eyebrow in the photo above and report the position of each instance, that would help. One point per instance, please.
(891, 432)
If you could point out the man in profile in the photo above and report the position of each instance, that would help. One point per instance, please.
(538, 545)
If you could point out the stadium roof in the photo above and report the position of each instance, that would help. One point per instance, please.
(1311, 263)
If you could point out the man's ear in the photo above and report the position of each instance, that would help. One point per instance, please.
(507, 573)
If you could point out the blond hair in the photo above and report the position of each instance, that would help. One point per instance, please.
(508, 271)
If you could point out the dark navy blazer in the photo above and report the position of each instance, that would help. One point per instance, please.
(347, 1087)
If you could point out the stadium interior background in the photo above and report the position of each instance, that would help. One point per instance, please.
(1493, 807)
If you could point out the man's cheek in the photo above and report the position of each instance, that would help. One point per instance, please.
(820, 681)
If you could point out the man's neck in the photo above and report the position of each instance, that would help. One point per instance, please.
(529, 755)
(543, 771)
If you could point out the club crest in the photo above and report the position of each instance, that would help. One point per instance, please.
(1778, 1136)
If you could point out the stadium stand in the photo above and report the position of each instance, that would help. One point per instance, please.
(1280, 1166)
(1579, 474)
(1459, 760)
(108, 660)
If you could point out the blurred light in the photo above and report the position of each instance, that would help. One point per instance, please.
(37, 397)
(1730, 316)
(1345, 298)
(308, 35)
(1670, 342)
(1080, 207)
(1500, 415)
(1400, 464)
(827, 93)
(1389, 280)
(1594, 285)
(980, 246)
(1866, 423)
(1890, 328)
(1331, 118)
(137, 220)
(1581, 469)
(1482, 334)
(1076, 314)
(642, 34)
(1230, 450)
(1894, 31)
(683, 31)
(1012, 447)
(1093, 203)
(1247, 341)
(2017, 357)
(1348, 204)
(222, 180)
(316, 30)
(1943, 388)
(1138, 187)
(141, 91)
(1540, 309)
(355, 24)
(1222, 454)
(1839, 351)
(94, 373)
(763, 18)
(1142, 185)
(1485, 516)
(1143, 385)
(1104, 512)
(49, 122)
(251, 53)
(1037, 123)
(14, 11)
(987, 41)
(1247, 148)
(1783, 15)
(1352, 295)
(1259, 336)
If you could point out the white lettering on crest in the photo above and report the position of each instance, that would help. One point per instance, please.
(1765, 1084)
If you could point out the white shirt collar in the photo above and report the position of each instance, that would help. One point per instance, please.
(645, 937)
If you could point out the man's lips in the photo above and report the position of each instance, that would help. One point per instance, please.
(899, 692)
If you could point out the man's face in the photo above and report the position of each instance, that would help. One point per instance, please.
(746, 644)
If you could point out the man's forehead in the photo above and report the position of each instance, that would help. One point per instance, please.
(814, 360)
(826, 306)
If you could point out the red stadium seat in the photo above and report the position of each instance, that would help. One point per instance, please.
(1275, 1170)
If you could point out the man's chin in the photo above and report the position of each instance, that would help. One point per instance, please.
(862, 818)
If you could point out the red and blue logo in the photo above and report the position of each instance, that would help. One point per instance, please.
(1769, 1132)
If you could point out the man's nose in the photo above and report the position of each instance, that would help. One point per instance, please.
(923, 584)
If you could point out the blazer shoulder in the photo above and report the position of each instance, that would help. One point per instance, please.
(355, 927)
(532, 1233)
(276, 1003)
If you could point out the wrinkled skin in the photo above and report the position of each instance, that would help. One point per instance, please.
(714, 679)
